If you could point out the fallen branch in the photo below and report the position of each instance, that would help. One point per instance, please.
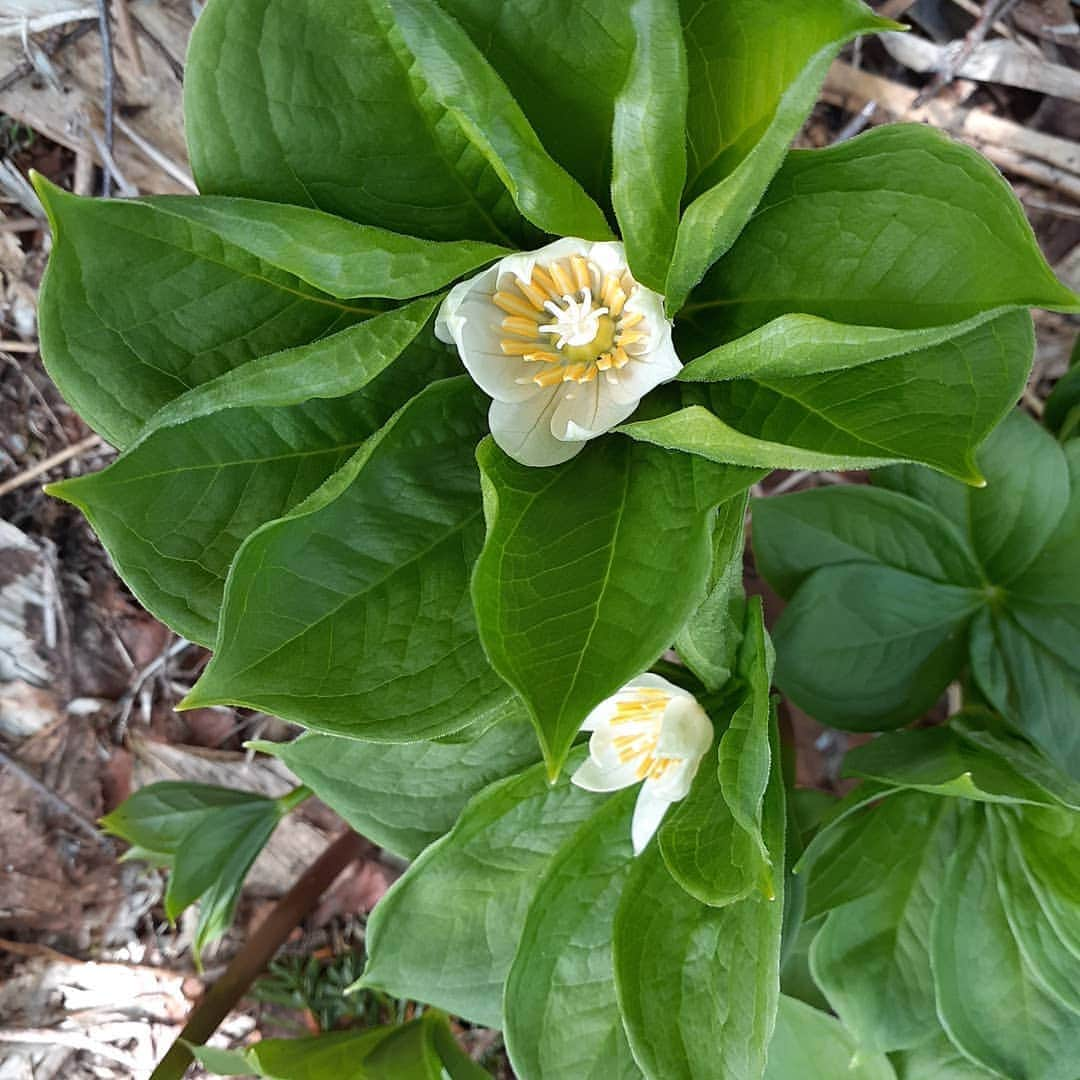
(257, 953)
(1009, 145)
(91, 442)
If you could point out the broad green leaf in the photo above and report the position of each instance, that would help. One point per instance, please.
(139, 305)
(753, 80)
(406, 1053)
(562, 1019)
(745, 759)
(792, 345)
(461, 80)
(985, 731)
(329, 1056)
(174, 509)
(1011, 520)
(867, 647)
(221, 1062)
(698, 985)
(1019, 667)
(709, 641)
(352, 615)
(939, 761)
(589, 570)
(1062, 415)
(794, 535)
(859, 852)
(696, 430)
(934, 405)
(158, 816)
(988, 998)
(829, 829)
(871, 957)
(937, 1059)
(404, 797)
(561, 59)
(1051, 843)
(711, 841)
(812, 1045)
(219, 850)
(265, 87)
(447, 931)
(901, 227)
(1053, 963)
(649, 140)
(339, 257)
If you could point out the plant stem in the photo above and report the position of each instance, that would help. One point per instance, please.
(256, 954)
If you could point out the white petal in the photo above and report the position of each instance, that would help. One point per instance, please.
(523, 429)
(649, 811)
(593, 776)
(652, 681)
(589, 412)
(601, 715)
(676, 782)
(521, 265)
(648, 370)
(686, 730)
(609, 256)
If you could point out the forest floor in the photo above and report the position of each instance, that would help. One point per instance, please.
(94, 981)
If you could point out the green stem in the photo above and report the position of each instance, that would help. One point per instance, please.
(291, 800)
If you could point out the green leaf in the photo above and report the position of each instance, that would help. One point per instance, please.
(562, 1019)
(698, 985)
(1051, 843)
(856, 851)
(866, 647)
(404, 797)
(221, 846)
(934, 405)
(806, 1038)
(339, 257)
(709, 641)
(985, 731)
(264, 88)
(712, 841)
(901, 227)
(139, 305)
(221, 1062)
(937, 1059)
(1012, 519)
(578, 589)
(794, 535)
(460, 80)
(871, 957)
(320, 1057)
(158, 816)
(470, 893)
(753, 80)
(174, 509)
(1062, 414)
(351, 616)
(989, 1000)
(649, 139)
(1050, 955)
(939, 761)
(560, 59)
(791, 345)
(745, 760)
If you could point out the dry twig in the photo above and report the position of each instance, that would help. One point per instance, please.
(91, 442)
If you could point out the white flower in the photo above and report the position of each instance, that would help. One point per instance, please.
(564, 340)
(651, 730)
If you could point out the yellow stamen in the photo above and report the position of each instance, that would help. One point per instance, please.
(619, 358)
(604, 361)
(550, 376)
(627, 337)
(532, 293)
(645, 767)
(630, 319)
(514, 305)
(523, 327)
(543, 279)
(561, 278)
(573, 372)
(518, 348)
(582, 277)
(545, 357)
(616, 302)
(589, 376)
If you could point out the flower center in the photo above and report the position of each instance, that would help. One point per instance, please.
(639, 713)
(570, 318)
